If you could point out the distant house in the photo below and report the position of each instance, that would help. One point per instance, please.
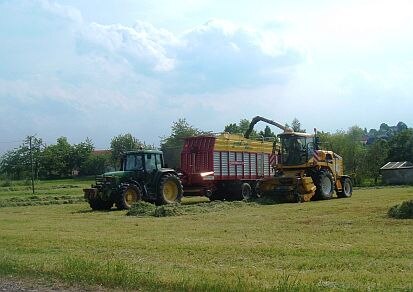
(101, 152)
(397, 173)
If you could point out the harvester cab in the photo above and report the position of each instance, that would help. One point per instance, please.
(304, 171)
(142, 176)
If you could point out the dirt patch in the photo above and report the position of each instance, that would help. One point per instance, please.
(14, 284)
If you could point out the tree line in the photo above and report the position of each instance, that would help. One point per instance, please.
(363, 152)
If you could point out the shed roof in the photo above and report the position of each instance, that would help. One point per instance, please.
(397, 165)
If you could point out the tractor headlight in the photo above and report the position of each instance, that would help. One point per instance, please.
(204, 174)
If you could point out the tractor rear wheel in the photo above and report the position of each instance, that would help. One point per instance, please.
(347, 190)
(170, 190)
(130, 194)
(324, 185)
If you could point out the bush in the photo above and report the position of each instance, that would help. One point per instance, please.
(402, 211)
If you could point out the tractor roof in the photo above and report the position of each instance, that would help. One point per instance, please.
(143, 151)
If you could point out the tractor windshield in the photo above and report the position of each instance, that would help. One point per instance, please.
(295, 149)
(133, 162)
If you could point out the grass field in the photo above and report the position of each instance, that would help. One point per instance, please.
(65, 191)
(341, 244)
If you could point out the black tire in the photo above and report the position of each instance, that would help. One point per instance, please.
(218, 194)
(258, 192)
(98, 204)
(246, 192)
(129, 195)
(170, 190)
(324, 185)
(347, 190)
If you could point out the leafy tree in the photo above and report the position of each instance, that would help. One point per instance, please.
(241, 128)
(384, 128)
(401, 146)
(123, 143)
(57, 159)
(375, 158)
(95, 164)
(401, 126)
(267, 132)
(349, 146)
(232, 128)
(172, 145)
(296, 126)
(80, 153)
(16, 163)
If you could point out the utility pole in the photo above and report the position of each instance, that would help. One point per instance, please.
(31, 162)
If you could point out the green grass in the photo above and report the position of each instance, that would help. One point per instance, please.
(341, 244)
(49, 192)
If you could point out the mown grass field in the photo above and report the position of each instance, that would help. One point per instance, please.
(341, 244)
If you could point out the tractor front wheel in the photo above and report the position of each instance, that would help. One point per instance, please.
(130, 194)
(324, 185)
(347, 190)
(99, 204)
(170, 190)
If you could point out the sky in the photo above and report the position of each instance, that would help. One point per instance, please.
(99, 68)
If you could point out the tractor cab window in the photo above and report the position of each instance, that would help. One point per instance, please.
(150, 162)
(133, 162)
(158, 160)
(310, 149)
(294, 150)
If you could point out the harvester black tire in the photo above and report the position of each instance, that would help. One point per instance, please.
(258, 193)
(129, 195)
(98, 204)
(324, 185)
(246, 192)
(347, 190)
(170, 190)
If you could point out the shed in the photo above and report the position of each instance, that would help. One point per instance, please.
(400, 173)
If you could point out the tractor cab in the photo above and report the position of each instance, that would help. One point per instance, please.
(296, 148)
(143, 160)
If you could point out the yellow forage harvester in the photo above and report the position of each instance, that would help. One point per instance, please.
(304, 172)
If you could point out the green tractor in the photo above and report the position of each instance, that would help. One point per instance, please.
(143, 176)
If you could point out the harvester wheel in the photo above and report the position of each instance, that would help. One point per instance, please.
(258, 192)
(170, 190)
(324, 185)
(246, 191)
(347, 190)
(130, 194)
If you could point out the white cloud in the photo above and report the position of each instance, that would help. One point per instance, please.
(142, 43)
(213, 56)
(63, 11)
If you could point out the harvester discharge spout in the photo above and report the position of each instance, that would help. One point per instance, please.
(258, 119)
